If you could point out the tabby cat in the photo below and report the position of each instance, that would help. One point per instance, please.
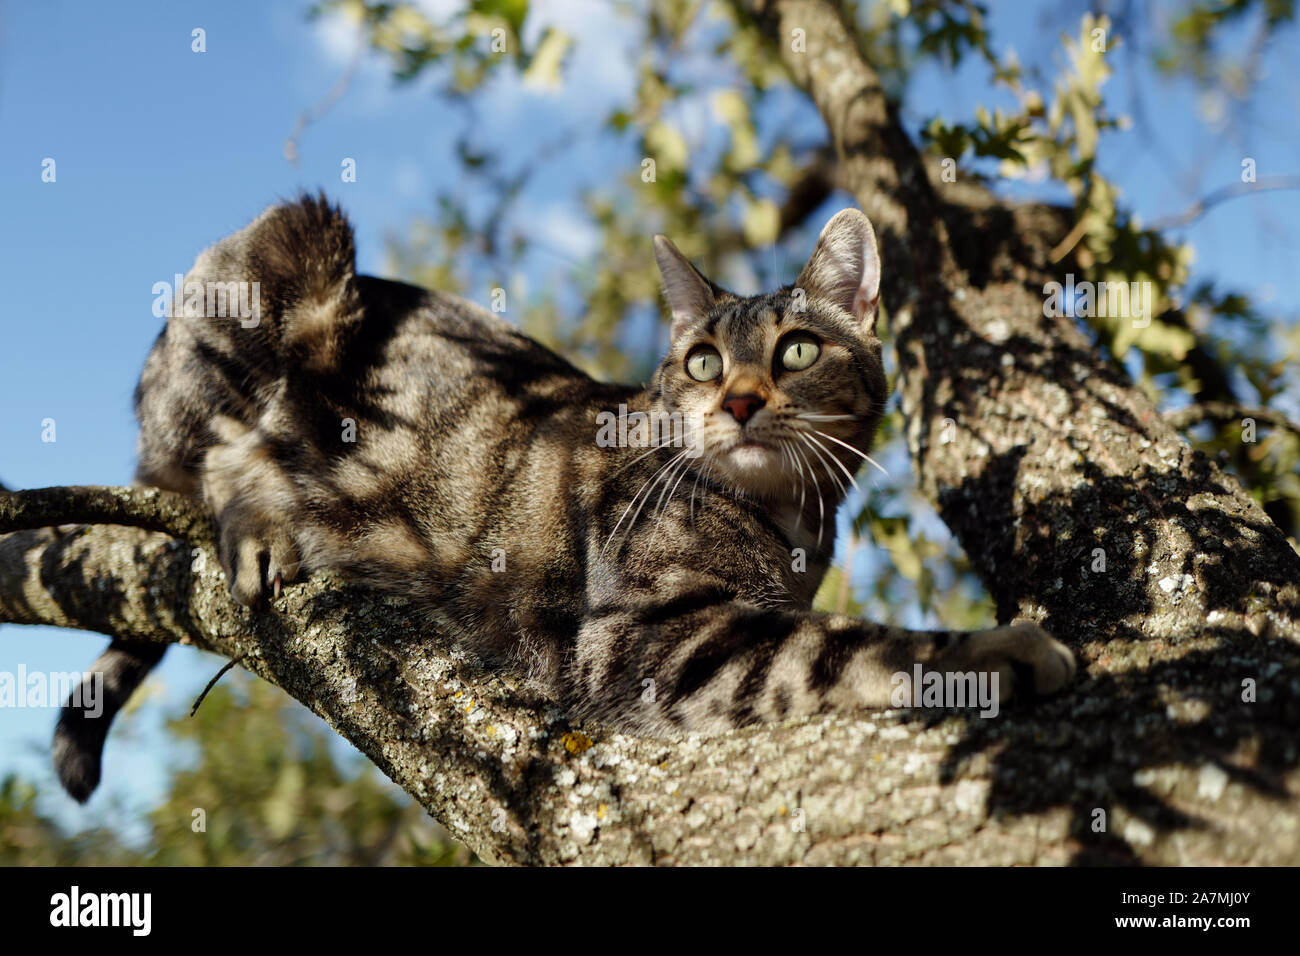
(414, 441)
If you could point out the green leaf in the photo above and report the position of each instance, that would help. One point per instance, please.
(547, 60)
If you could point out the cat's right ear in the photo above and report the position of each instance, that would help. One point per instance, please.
(689, 294)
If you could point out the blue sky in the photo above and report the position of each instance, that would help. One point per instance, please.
(160, 151)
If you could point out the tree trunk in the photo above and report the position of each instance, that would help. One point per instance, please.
(1177, 746)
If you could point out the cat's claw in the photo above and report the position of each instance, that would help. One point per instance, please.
(258, 561)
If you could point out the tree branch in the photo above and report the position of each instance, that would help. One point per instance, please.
(1220, 412)
(1019, 430)
(811, 187)
(149, 508)
(1223, 194)
(508, 775)
(340, 88)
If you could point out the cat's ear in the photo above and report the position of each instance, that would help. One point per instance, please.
(689, 294)
(845, 267)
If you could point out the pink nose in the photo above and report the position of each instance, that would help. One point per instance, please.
(742, 407)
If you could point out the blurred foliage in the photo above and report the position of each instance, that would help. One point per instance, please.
(1194, 45)
(29, 838)
(267, 789)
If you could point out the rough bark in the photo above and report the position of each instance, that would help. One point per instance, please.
(1050, 454)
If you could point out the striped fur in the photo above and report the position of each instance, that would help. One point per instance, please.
(657, 592)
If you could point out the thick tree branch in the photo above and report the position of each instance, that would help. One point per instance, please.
(1021, 434)
(509, 776)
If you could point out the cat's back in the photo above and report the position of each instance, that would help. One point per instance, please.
(473, 477)
(439, 365)
(443, 418)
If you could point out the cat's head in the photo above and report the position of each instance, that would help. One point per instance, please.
(782, 392)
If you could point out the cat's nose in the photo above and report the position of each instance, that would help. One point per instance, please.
(742, 407)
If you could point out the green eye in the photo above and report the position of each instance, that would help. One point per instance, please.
(799, 351)
(704, 364)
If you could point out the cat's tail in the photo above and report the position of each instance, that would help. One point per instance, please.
(88, 714)
(294, 269)
(281, 294)
(303, 255)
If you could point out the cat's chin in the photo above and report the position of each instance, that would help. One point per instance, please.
(751, 457)
(755, 468)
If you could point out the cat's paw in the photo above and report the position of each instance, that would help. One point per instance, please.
(257, 555)
(249, 493)
(1027, 659)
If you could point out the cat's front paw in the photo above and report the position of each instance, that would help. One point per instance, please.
(257, 555)
(1025, 657)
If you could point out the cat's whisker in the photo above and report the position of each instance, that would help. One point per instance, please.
(812, 417)
(836, 478)
(786, 465)
(640, 457)
(648, 484)
(664, 502)
(661, 475)
(847, 473)
(821, 501)
(699, 473)
(794, 462)
(807, 439)
(857, 451)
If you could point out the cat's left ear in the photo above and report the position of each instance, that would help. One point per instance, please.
(689, 294)
(845, 267)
